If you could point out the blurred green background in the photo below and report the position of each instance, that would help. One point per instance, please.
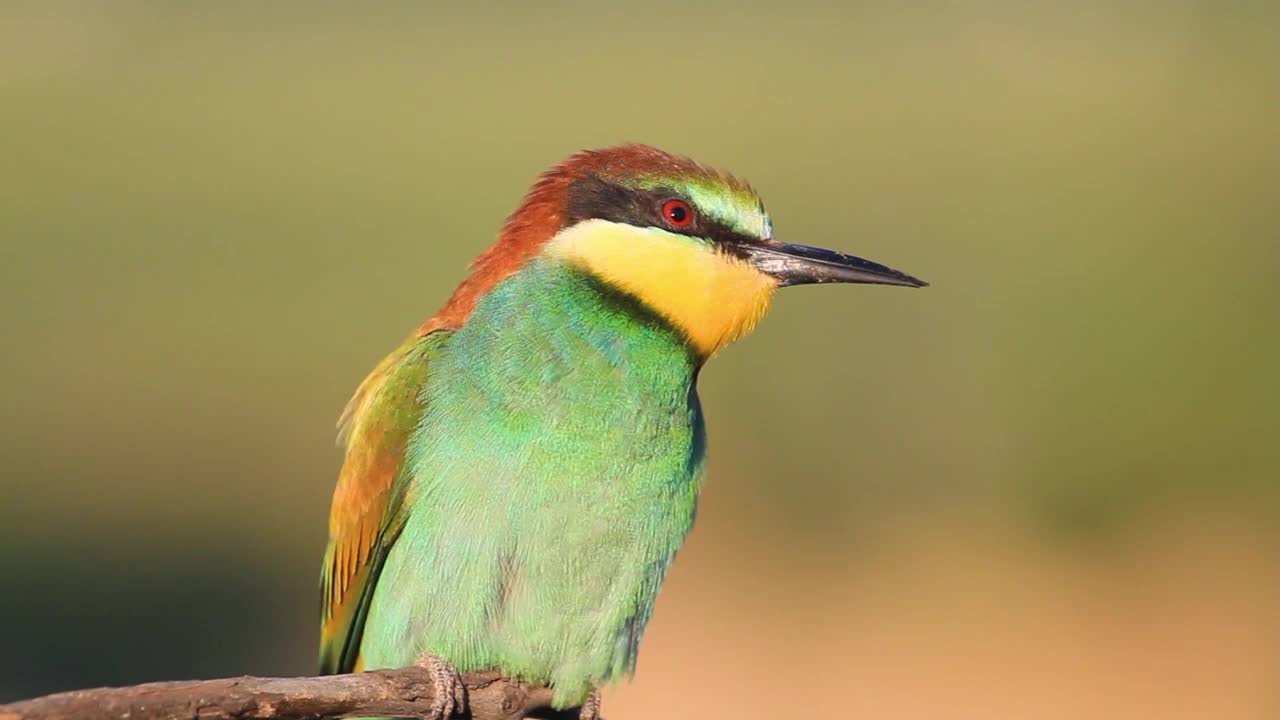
(1045, 487)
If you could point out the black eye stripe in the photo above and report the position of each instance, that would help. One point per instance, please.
(593, 198)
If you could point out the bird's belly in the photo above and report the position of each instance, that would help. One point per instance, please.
(551, 580)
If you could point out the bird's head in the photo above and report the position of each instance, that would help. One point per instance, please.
(693, 244)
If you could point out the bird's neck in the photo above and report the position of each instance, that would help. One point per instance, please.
(553, 329)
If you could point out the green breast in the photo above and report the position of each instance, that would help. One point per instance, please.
(552, 478)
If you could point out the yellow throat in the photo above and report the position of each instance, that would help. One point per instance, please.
(711, 297)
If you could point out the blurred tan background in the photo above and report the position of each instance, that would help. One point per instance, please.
(1046, 487)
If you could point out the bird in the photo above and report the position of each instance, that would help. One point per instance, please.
(519, 473)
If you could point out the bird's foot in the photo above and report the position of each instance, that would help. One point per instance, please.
(591, 707)
(451, 693)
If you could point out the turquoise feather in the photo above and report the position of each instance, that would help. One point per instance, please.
(549, 481)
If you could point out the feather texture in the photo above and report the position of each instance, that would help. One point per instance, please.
(519, 473)
(366, 502)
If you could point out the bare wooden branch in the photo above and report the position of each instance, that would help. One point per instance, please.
(406, 692)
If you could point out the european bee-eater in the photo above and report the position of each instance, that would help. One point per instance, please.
(520, 472)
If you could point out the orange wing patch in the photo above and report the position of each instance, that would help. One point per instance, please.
(363, 521)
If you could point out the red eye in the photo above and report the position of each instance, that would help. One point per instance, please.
(677, 213)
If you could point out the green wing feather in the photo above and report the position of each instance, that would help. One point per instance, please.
(366, 515)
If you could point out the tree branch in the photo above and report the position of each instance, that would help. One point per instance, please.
(406, 692)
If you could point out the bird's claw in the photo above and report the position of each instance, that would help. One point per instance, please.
(450, 692)
(590, 709)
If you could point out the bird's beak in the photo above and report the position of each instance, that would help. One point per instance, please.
(803, 265)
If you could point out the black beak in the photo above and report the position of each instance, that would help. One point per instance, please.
(804, 265)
